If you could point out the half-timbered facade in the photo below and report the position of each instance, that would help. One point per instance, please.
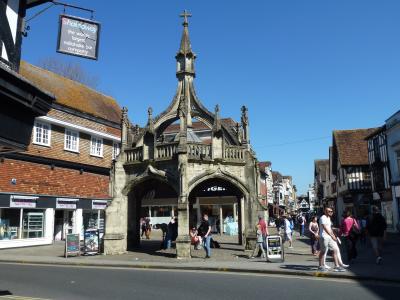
(350, 167)
(380, 172)
(20, 100)
(393, 150)
(321, 183)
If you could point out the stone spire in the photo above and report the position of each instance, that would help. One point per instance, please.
(185, 56)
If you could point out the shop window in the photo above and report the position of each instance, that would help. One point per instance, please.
(96, 146)
(71, 142)
(161, 211)
(9, 223)
(42, 134)
(33, 224)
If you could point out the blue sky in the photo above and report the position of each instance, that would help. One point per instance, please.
(303, 68)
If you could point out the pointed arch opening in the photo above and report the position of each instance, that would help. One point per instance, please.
(223, 201)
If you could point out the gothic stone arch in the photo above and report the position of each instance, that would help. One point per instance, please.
(184, 162)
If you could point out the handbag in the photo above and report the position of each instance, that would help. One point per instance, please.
(355, 231)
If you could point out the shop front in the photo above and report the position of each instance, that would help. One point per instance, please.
(32, 220)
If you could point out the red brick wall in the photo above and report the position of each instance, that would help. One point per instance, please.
(33, 178)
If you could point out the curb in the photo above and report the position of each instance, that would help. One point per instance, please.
(206, 269)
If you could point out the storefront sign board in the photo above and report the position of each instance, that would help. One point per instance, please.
(17, 201)
(72, 245)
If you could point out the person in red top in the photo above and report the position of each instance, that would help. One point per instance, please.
(350, 235)
(263, 227)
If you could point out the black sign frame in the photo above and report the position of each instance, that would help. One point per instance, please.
(98, 24)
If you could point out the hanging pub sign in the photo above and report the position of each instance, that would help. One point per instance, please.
(79, 37)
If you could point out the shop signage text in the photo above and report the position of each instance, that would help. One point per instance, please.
(79, 37)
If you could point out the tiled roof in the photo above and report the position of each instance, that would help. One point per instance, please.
(351, 146)
(276, 176)
(320, 167)
(197, 126)
(73, 94)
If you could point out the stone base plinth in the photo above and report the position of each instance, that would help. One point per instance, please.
(114, 244)
(183, 247)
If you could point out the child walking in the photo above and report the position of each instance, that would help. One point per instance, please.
(259, 244)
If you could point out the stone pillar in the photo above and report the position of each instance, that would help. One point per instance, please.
(183, 240)
(242, 221)
(198, 210)
(221, 220)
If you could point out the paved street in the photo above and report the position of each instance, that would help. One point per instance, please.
(54, 282)
(231, 257)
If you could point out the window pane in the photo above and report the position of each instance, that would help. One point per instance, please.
(9, 223)
(33, 223)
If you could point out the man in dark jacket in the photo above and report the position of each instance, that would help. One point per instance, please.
(376, 228)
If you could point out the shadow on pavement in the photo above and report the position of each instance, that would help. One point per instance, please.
(299, 267)
(5, 293)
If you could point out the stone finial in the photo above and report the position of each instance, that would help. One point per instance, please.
(245, 125)
(150, 122)
(245, 118)
(124, 115)
(217, 120)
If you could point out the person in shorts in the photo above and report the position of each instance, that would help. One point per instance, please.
(328, 241)
(288, 231)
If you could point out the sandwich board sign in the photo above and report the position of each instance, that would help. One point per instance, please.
(72, 245)
(78, 36)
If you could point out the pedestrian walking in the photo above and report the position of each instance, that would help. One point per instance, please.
(260, 243)
(350, 232)
(170, 234)
(278, 224)
(142, 226)
(313, 228)
(263, 227)
(205, 232)
(147, 231)
(288, 231)
(363, 225)
(328, 242)
(376, 229)
(302, 223)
